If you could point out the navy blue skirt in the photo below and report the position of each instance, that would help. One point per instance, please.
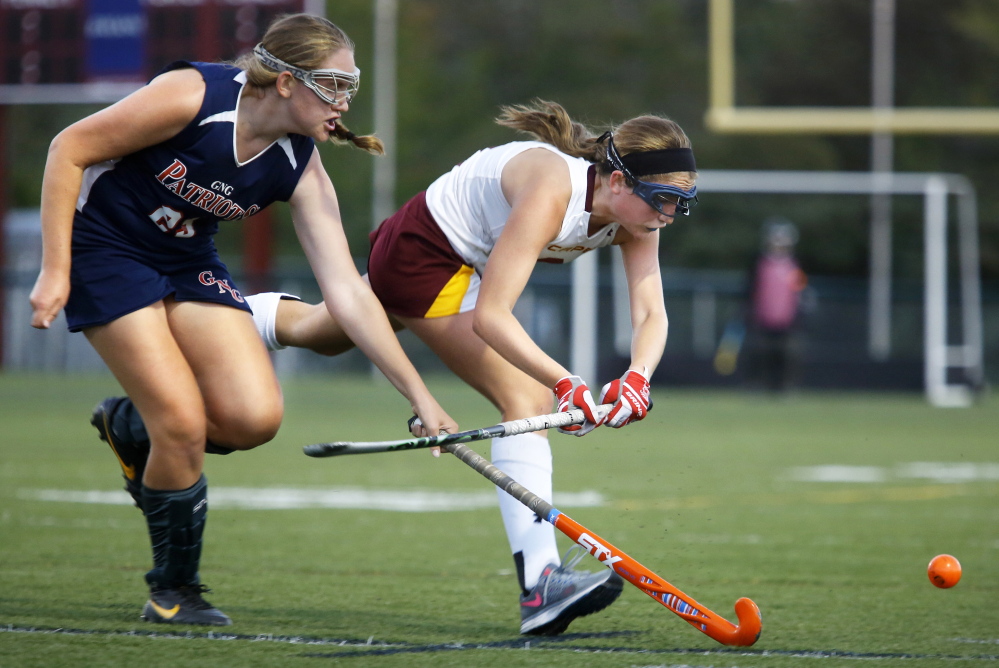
(107, 282)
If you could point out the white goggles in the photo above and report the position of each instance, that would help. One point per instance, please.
(331, 85)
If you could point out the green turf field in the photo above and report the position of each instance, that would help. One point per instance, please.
(823, 508)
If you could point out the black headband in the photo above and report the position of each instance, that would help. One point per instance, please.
(642, 163)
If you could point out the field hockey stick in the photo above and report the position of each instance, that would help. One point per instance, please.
(702, 619)
(510, 428)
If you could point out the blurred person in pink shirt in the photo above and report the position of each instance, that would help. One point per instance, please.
(775, 290)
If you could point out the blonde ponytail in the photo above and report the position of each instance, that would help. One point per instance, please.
(550, 123)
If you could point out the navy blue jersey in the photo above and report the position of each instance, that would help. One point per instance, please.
(169, 198)
(144, 223)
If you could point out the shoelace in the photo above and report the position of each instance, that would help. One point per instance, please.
(563, 576)
(573, 556)
(192, 595)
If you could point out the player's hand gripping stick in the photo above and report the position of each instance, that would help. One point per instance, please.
(630, 396)
(571, 393)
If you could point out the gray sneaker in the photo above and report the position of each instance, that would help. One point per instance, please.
(183, 605)
(563, 594)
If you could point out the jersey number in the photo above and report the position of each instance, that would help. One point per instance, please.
(170, 221)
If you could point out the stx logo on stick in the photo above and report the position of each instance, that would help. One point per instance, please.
(595, 548)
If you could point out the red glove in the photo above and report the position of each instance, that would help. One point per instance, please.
(630, 396)
(571, 392)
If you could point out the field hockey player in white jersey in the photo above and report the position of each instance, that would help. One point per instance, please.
(452, 262)
(131, 198)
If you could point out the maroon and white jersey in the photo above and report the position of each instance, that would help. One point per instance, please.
(470, 208)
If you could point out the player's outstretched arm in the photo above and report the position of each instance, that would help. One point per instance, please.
(538, 187)
(349, 299)
(630, 394)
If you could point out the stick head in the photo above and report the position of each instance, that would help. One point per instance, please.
(750, 624)
(325, 449)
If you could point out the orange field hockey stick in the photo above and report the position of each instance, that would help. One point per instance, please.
(695, 614)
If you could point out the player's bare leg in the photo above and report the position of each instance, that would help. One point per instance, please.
(310, 326)
(289, 322)
(452, 339)
(191, 370)
(242, 396)
(143, 355)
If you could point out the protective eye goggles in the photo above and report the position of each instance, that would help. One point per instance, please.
(331, 85)
(660, 195)
(656, 195)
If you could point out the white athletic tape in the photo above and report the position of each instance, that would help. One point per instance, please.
(553, 420)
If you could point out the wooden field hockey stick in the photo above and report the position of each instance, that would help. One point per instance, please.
(510, 428)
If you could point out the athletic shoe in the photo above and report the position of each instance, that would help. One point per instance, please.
(563, 594)
(183, 605)
(131, 455)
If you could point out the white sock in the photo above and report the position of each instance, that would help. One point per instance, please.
(264, 307)
(527, 458)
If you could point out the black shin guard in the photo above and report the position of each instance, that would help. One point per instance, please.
(127, 424)
(176, 521)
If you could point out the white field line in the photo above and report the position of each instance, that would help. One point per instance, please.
(289, 498)
(838, 473)
(937, 472)
(355, 648)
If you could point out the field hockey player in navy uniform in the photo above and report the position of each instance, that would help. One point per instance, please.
(130, 200)
(451, 264)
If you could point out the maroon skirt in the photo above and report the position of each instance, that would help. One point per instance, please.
(412, 268)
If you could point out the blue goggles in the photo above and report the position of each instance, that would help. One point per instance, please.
(657, 195)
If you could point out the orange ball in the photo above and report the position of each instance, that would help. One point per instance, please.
(944, 571)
